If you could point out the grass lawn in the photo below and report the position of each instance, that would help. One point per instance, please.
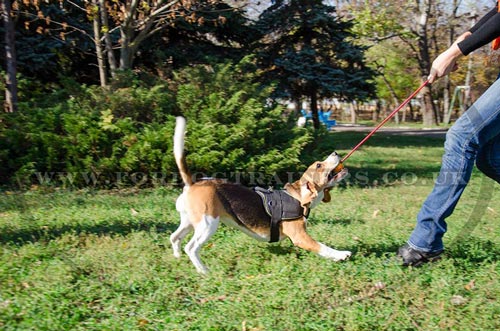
(92, 260)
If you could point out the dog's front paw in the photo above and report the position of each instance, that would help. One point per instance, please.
(333, 254)
(341, 255)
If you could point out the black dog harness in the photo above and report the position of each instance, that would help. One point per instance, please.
(280, 206)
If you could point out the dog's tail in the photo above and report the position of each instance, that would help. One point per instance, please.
(180, 131)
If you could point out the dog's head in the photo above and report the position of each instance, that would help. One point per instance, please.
(317, 180)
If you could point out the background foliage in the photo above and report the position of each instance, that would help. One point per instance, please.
(66, 124)
(88, 132)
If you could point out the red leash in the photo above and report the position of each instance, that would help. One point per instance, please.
(385, 120)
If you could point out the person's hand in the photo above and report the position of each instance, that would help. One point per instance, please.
(446, 62)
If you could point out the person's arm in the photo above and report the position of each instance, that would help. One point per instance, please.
(487, 29)
(446, 62)
(483, 19)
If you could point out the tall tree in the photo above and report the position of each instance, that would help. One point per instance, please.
(309, 50)
(88, 39)
(418, 30)
(53, 40)
(122, 27)
(423, 26)
(413, 25)
(98, 44)
(220, 33)
(137, 21)
(10, 58)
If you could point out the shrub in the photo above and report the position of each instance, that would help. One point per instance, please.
(235, 127)
(86, 135)
(79, 131)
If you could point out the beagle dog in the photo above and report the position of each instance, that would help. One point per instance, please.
(205, 203)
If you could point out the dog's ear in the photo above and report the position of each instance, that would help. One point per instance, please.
(310, 193)
(327, 197)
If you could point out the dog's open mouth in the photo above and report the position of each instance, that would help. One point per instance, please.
(337, 174)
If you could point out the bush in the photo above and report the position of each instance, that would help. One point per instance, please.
(80, 135)
(79, 131)
(233, 126)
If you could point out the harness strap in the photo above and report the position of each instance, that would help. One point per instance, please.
(280, 206)
(276, 219)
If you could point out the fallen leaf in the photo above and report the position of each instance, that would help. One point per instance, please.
(470, 285)
(458, 300)
(375, 288)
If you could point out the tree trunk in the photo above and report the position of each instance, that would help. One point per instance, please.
(353, 113)
(314, 110)
(10, 59)
(107, 38)
(376, 110)
(429, 116)
(98, 47)
(422, 20)
(297, 106)
(447, 84)
(394, 97)
(446, 98)
(127, 49)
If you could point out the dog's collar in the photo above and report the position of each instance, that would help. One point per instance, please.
(280, 206)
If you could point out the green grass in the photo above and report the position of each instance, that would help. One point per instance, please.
(102, 260)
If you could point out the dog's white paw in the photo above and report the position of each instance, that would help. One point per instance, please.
(333, 254)
(341, 255)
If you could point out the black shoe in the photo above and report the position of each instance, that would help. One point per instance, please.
(415, 258)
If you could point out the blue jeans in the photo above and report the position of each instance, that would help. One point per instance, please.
(474, 137)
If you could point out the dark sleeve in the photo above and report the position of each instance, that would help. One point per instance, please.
(487, 29)
(483, 20)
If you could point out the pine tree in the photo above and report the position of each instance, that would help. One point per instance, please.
(309, 50)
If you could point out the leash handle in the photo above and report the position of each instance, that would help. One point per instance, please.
(385, 120)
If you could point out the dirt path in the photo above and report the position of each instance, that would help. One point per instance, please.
(405, 131)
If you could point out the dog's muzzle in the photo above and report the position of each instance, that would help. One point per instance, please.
(336, 171)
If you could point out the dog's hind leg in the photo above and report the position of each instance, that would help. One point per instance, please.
(176, 238)
(185, 226)
(202, 233)
(296, 231)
